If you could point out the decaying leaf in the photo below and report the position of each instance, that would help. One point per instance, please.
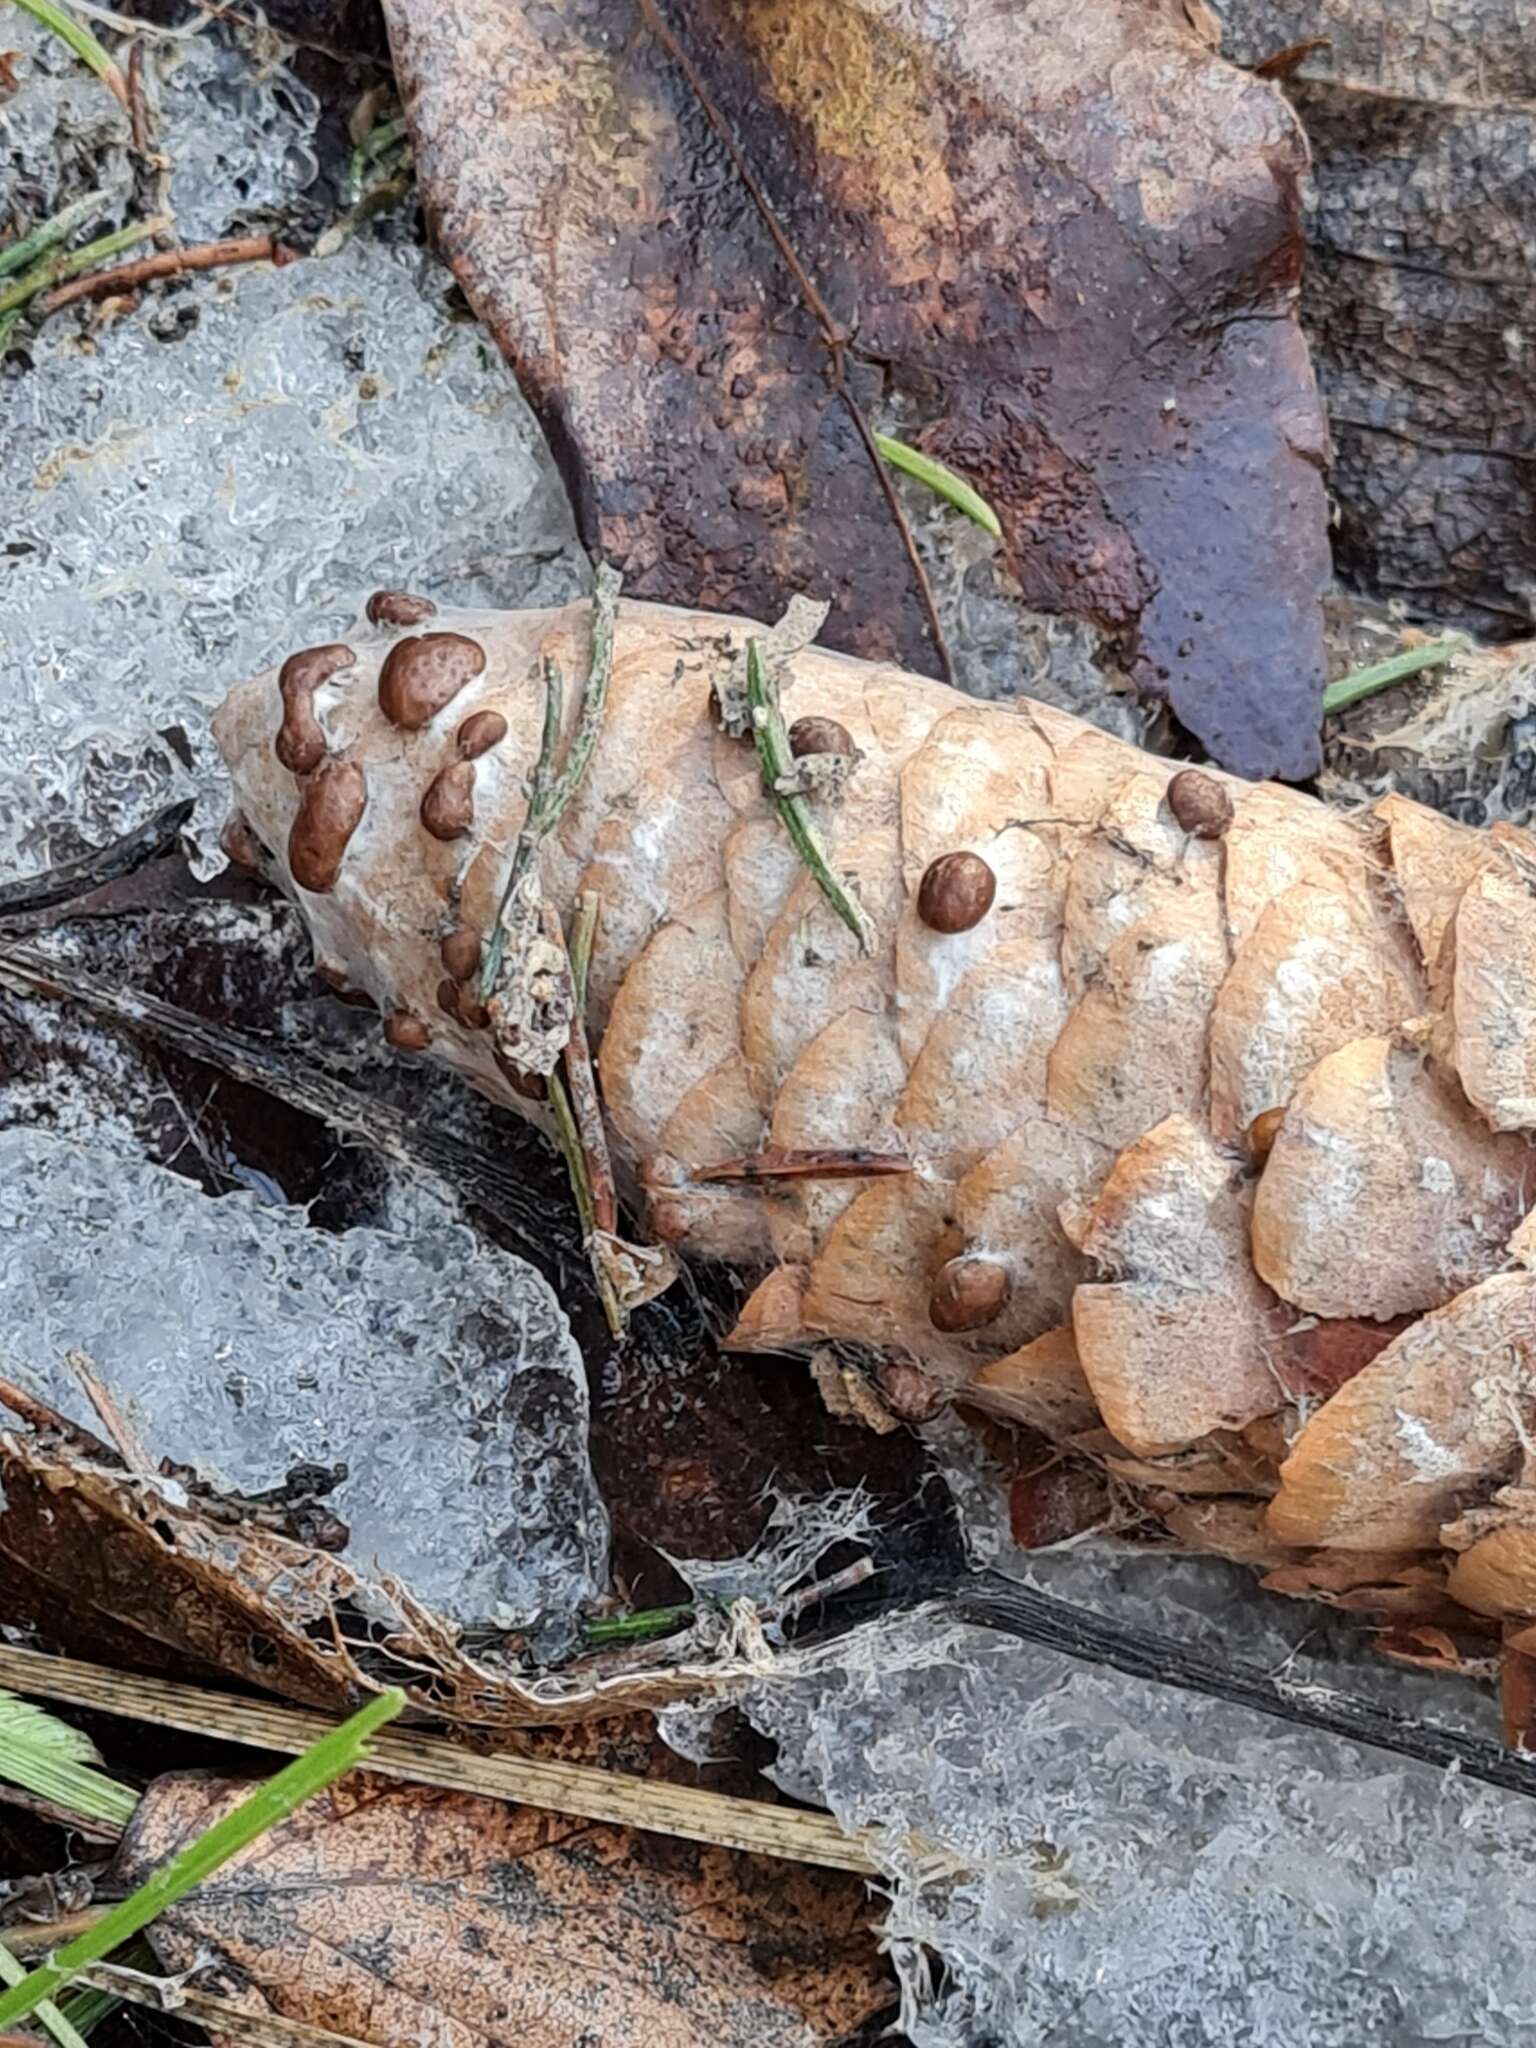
(103, 1558)
(394, 1913)
(1422, 238)
(1056, 245)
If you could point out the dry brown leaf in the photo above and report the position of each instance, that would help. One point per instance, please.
(1064, 240)
(398, 1914)
(106, 1561)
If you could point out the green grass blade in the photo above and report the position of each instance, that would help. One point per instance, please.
(58, 2027)
(942, 481)
(1380, 675)
(48, 234)
(77, 37)
(88, 2008)
(321, 1764)
(45, 1755)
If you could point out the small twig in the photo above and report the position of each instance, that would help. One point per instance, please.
(36, 1414)
(833, 336)
(1379, 675)
(583, 936)
(778, 764)
(138, 105)
(812, 1595)
(528, 840)
(130, 1449)
(583, 1140)
(584, 1100)
(687, 1811)
(779, 1163)
(33, 1937)
(57, 268)
(167, 263)
(90, 871)
(550, 794)
(79, 39)
(49, 233)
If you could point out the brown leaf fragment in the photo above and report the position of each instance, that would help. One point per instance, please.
(394, 1913)
(1057, 1500)
(1233, 1529)
(1058, 243)
(1409, 1588)
(1041, 1385)
(1425, 1647)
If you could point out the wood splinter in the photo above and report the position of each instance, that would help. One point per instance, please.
(778, 1162)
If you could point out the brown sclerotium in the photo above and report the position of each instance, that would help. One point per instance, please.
(481, 731)
(300, 743)
(398, 608)
(421, 675)
(956, 892)
(1200, 804)
(518, 1079)
(240, 844)
(406, 1033)
(968, 1294)
(460, 953)
(331, 808)
(909, 1392)
(448, 808)
(819, 736)
(461, 1006)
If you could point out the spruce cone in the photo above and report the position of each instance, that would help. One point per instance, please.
(1201, 1148)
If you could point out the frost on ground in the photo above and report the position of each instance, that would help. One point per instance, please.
(220, 476)
(1079, 1859)
(1094, 1860)
(240, 1341)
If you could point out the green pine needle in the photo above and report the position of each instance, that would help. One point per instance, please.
(942, 481)
(320, 1765)
(77, 37)
(638, 1626)
(58, 269)
(48, 234)
(49, 1758)
(778, 765)
(1379, 675)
